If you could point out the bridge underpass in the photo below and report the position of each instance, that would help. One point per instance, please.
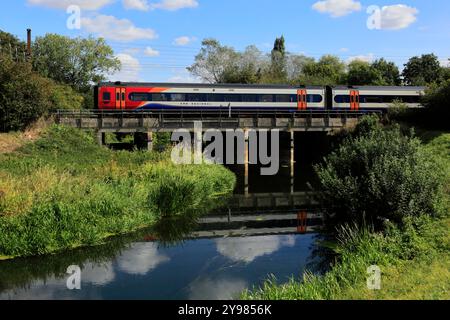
(143, 124)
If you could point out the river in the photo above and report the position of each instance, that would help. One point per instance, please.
(271, 229)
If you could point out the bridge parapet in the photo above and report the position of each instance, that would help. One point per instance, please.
(137, 121)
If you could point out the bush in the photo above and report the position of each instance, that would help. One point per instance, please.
(380, 174)
(24, 97)
(437, 100)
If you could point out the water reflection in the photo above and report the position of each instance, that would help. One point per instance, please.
(210, 257)
(270, 228)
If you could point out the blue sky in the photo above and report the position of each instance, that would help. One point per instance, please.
(157, 39)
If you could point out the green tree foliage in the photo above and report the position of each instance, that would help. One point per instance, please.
(390, 75)
(76, 62)
(380, 174)
(221, 64)
(422, 70)
(25, 96)
(437, 100)
(213, 61)
(11, 45)
(278, 61)
(64, 97)
(329, 70)
(362, 73)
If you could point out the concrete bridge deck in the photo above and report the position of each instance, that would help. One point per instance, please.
(168, 121)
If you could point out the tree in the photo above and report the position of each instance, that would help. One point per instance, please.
(11, 45)
(278, 58)
(25, 96)
(76, 62)
(295, 65)
(390, 74)
(212, 61)
(362, 73)
(437, 100)
(422, 70)
(329, 70)
(221, 64)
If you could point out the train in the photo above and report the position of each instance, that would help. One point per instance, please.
(176, 96)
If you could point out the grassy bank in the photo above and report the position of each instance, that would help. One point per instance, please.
(64, 191)
(414, 258)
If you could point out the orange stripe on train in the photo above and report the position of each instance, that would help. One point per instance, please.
(158, 90)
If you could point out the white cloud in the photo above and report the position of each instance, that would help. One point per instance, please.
(64, 4)
(398, 16)
(216, 289)
(337, 8)
(248, 249)
(141, 5)
(98, 274)
(173, 5)
(141, 259)
(130, 70)
(112, 28)
(445, 62)
(344, 49)
(183, 41)
(151, 52)
(366, 58)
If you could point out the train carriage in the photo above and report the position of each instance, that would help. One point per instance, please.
(170, 96)
(235, 97)
(372, 98)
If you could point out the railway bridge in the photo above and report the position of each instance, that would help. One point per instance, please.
(144, 123)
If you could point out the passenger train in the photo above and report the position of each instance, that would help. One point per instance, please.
(170, 96)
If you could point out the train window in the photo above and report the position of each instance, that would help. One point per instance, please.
(177, 97)
(216, 97)
(106, 96)
(250, 98)
(140, 97)
(160, 97)
(233, 98)
(314, 98)
(371, 99)
(117, 96)
(342, 99)
(196, 97)
(266, 98)
(283, 98)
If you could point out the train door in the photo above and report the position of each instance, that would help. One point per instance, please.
(354, 100)
(120, 98)
(301, 100)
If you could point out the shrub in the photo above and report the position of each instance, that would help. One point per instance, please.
(24, 97)
(437, 100)
(380, 174)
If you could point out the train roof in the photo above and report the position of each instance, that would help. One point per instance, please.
(205, 85)
(385, 88)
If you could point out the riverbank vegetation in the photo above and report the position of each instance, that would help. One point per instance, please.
(64, 191)
(389, 215)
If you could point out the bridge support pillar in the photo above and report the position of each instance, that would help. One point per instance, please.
(150, 141)
(246, 163)
(292, 165)
(101, 138)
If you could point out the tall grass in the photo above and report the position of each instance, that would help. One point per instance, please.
(64, 191)
(414, 256)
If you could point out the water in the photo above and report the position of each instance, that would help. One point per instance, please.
(270, 229)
